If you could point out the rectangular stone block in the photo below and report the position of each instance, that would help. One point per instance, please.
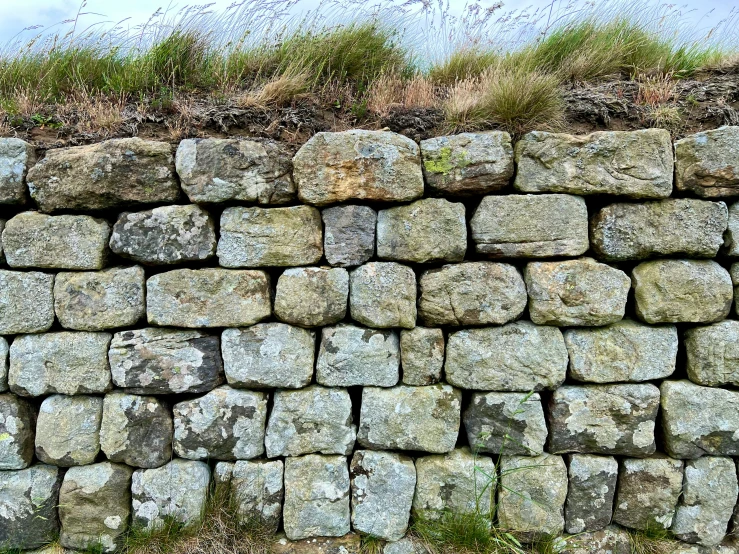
(17, 428)
(707, 163)
(592, 486)
(26, 302)
(713, 354)
(421, 355)
(257, 488)
(16, 157)
(382, 295)
(68, 430)
(4, 348)
(312, 296)
(349, 235)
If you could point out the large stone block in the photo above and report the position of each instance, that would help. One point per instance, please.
(471, 293)
(60, 363)
(519, 356)
(26, 302)
(349, 235)
(576, 292)
(410, 418)
(609, 540)
(111, 174)
(348, 544)
(258, 490)
(421, 355)
(312, 296)
(383, 294)
(713, 354)
(682, 291)
(592, 486)
(259, 237)
(358, 165)
(208, 298)
(707, 163)
(68, 430)
(17, 427)
(16, 156)
(637, 164)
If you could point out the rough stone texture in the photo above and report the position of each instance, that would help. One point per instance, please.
(410, 418)
(312, 296)
(60, 363)
(637, 164)
(94, 506)
(471, 293)
(452, 483)
(707, 163)
(32, 239)
(358, 164)
(28, 501)
(99, 300)
(348, 544)
(468, 163)
(624, 351)
(706, 505)
(16, 156)
(165, 361)
(219, 170)
(383, 294)
(4, 364)
(404, 546)
(268, 355)
(531, 226)
(259, 237)
(111, 174)
(428, 230)
(610, 540)
(313, 419)
(686, 226)
(354, 356)
(421, 355)
(689, 291)
(532, 495)
(713, 354)
(225, 424)
(68, 430)
(590, 492)
(17, 424)
(576, 292)
(316, 497)
(648, 490)
(603, 419)
(26, 302)
(164, 236)
(258, 490)
(136, 430)
(506, 423)
(382, 486)
(208, 298)
(731, 237)
(519, 356)
(177, 490)
(699, 420)
(349, 235)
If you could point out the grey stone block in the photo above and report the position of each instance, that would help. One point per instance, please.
(68, 430)
(592, 486)
(349, 235)
(383, 294)
(421, 355)
(17, 428)
(16, 157)
(26, 302)
(706, 163)
(312, 296)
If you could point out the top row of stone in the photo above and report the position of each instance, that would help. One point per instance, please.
(375, 166)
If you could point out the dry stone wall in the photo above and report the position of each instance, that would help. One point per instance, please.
(369, 329)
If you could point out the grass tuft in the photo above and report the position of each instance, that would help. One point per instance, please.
(653, 540)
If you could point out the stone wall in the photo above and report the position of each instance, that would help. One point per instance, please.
(369, 329)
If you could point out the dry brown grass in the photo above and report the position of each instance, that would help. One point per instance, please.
(390, 91)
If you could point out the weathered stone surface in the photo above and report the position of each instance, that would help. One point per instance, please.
(177, 490)
(532, 495)
(316, 497)
(707, 502)
(506, 423)
(637, 164)
(410, 418)
(164, 236)
(591, 488)
(576, 292)
(405, 545)
(219, 170)
(99, 300)
(519, 356)
(610, 540)
(312, 296)
(258, 490)
(731, 237)
(383, 294)
(208, 298)
(421, 355)
(624, 351)
(28, 501)
(68, 430)
(471, 293)
(136, 430)
(382, 486)
(259, 237)
(713, 354)
(348, 544)
(313, 419)
(690, 291)
(94, 506)
(225, 424)
(603, 419)
(268, 355)
(26, 302)
(358, 164)
(111, 174)
(17, 425)
(16, 156)
(60, 363)
(531, 226)
(428, 230)
(165, 361)
(4, 349)
(707, 163)
(349, 235)
(686, 226)
(699, 420)
(648, 490)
